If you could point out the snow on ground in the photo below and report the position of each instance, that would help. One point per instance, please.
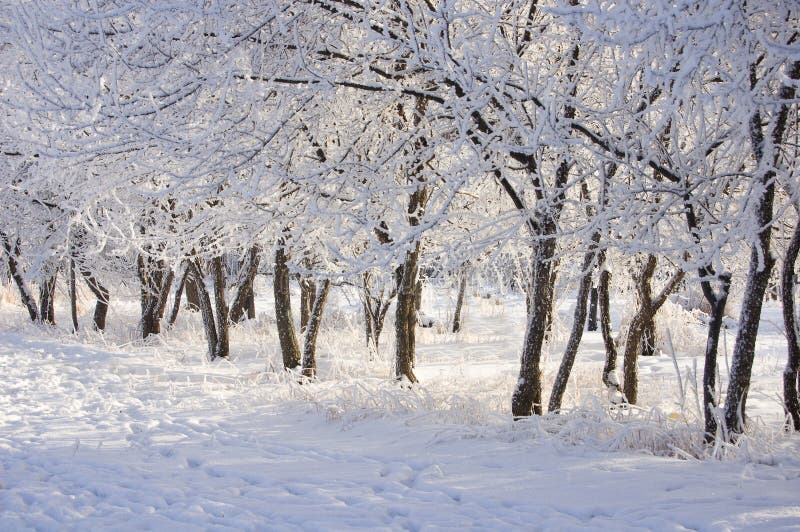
(100, 432)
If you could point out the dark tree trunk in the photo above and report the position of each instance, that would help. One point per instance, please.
(47, 294)
(407, 275)
(154, 299)
(192, 297)
(101, 294)
(12, 255)
(73, 296)
(578, 323)
(633, 339)
(406, 317)
(649, 338)
(592, 323)
(648, 307)
(367, 322)
(375, 310)
(462, 289)
(243, 304)
(155, 279)
(315, 317)
(283, 310)
(163, 293)
(527, 397)
(206, 311)
(744, 349)
(222, 346)
(79, 260)
(308, 294)
(791, 391)
(610, 378)
(176, 303)
(761, 259)
(718, 302)
(251, 304)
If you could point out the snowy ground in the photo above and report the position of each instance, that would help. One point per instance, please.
(100, 432)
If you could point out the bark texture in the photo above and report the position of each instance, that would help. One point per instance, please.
(47, 295)
(290, 349)
(15, 269)
(101, 294)
(155, 280)
(761, 259)
(376, 305)
(578, 323)
(176, 303)
(242, 306)
(222, 346)
(543, 225)
(406, 317)
(192, 297)
(717, 300)
(648, 307)
(308, 294)
(791, 386)
(462, 289)
(592, 322)
(312, 331)
(527, 397)
(73, 296)
(196, 278)
(603, 296)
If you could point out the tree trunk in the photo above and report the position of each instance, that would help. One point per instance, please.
(791, 391)
(648, 307)
(761, 259)
(192, 297)
(315, 317)
(251, 304)
(78, 260)
(405, 317)
(527, 397)
(462, 289)
(633, 339)
(222, 346)
(375, 310)
(744, 349)
(610, 378)
(283, 310)
(73, 296)
(578, 323)
(243, 303)
(155, 279)
(176, 303)
(409, 292)
(12, 254)
(154, 299)
(649, 338)
(717, 302)
(47, 294)
(592, 323)
(163, 293)
(206, 311)
(102, 295)
(308, 294)
(368, 323)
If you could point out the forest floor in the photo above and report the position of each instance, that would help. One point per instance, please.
(106, 432)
